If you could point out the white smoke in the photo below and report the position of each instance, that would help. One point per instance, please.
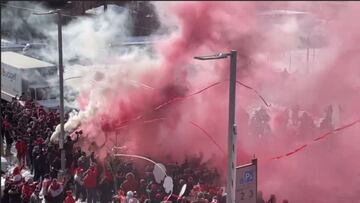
(89, 39)
(86, 40)
(169, 23)
(114, 79)
(19, 21)
(74, 122)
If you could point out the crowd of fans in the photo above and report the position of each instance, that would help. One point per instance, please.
(28, 127)
(301, 122)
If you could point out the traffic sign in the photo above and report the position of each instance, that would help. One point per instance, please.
(246, 183)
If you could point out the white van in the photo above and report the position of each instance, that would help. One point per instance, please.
(24, 75)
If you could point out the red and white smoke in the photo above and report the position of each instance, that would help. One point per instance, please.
(117, 112)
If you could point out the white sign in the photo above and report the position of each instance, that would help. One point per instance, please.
(246, 183)
(182, 191)
(11, 82)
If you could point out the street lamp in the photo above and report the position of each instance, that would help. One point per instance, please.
(61, 84)
(230, 189)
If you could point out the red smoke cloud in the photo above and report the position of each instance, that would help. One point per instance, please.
(327, 171)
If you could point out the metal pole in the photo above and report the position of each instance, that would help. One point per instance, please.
(254, 161)
(289, 60)
(313, 61)
(82, 7)
(308, 55)
(61, 83)
(105, 6)
(230, 197)
(1, 129)
(307, 60)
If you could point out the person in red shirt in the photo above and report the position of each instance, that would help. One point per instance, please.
(27, 189)
(106, 184)
(130, 184)
(90, 183)
(108, 177)
(69, 197)
(21, 149)
(39, 141)
(121, 196)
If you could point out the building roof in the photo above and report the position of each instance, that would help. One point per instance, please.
(21, 61)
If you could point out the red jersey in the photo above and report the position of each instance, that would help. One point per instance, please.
(21, 147)
(90, 178)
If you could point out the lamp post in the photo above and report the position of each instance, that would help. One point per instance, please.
(230, 188)
(61, 84)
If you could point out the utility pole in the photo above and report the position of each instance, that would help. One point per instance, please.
(231, 173)
(82, 7)
(308, 55)
(105, 6)
(231, 178)
(61, 85)
(1, 131)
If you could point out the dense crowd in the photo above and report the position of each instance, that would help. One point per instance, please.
(28, 127)
(300, 122)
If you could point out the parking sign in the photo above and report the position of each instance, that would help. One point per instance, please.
(246, 183)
